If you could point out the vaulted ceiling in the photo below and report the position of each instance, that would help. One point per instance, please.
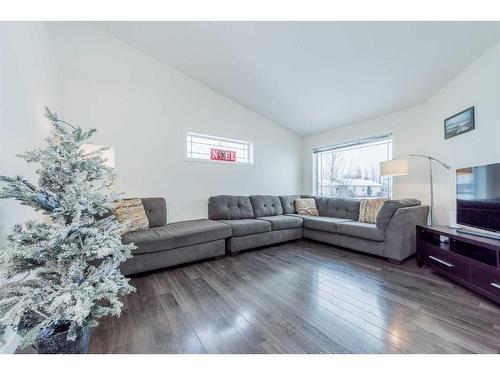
(312, 76)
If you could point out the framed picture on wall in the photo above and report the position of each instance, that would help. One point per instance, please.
(460, 123)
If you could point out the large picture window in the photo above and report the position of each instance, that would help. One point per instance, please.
(351, 170)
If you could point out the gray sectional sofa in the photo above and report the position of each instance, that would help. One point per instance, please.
(164, 245)
(238, 223)
(261, 220)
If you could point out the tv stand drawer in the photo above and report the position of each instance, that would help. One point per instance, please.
(486, 279)
(446, 261)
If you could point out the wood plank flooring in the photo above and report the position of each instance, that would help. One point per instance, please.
(300, 297)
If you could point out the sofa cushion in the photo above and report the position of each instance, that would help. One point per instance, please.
(367, 231)
(229, 207)
(279, 222)
(245, 227)
(175, 235)
(390, 207)
(288, 203)
(156, 211)
(324, 223)
(266, 205)
(338, 207)
(349, 242)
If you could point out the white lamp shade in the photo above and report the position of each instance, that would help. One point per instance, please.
(397, 167)
(108, 155)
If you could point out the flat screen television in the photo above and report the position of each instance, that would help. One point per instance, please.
(478, 197)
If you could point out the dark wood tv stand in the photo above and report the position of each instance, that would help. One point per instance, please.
(470, 260)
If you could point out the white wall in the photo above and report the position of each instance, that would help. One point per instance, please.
(143, 108)
(29, 80)
(420, 130)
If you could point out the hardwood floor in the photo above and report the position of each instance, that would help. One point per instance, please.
(300, 297)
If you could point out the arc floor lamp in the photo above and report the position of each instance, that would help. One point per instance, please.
(399, 167)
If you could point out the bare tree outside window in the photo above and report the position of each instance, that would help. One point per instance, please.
(353, 171)
(333, 181)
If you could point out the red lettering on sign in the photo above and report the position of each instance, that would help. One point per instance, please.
(224, 155)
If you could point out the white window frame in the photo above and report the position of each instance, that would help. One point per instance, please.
(317, 151)
(249, 144)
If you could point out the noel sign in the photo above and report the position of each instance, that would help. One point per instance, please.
(224, 155)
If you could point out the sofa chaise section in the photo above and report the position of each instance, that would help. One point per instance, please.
(175, 235)
(165, 245)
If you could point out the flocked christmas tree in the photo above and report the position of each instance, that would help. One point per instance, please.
(64, 271)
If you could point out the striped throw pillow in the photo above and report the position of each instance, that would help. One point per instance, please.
(369, 208)
(306, 206)
(131, 213)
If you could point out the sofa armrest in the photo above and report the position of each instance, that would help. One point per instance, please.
(156, 211)
(400, 234)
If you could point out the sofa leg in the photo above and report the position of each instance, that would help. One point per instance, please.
(394, 261)
(236, 253)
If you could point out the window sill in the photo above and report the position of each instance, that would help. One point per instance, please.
(219, 162)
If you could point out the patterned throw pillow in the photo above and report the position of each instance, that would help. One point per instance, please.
(131, 213)
(306, 206)
(369, 208)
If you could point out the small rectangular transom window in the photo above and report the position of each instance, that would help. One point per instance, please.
(208, 148)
